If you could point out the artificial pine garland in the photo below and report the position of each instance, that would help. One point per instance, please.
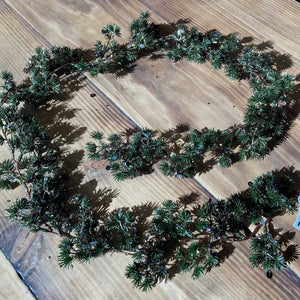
(194, 238)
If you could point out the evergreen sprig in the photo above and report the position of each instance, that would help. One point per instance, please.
(267, 252)
(128, 157)
(111, 56)
(46, 67)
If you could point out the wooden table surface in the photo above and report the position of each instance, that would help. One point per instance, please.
(161, 95)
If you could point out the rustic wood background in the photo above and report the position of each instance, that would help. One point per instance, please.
(158, 94)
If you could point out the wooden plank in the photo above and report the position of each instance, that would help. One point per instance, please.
(14, 53)
(11, 286)
(104, 277)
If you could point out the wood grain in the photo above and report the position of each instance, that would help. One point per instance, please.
(161, 106)
(152, 95)
(104, 279)
(11, 286)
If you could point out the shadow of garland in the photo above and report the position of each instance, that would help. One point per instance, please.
(53, 115)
